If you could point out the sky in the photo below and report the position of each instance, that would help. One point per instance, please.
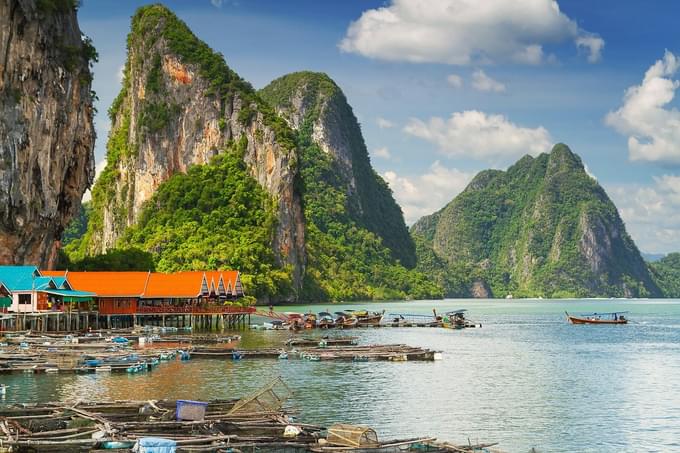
(446, 88)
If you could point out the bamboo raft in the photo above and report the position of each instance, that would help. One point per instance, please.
(308, 341)
(394, 353)
(255, 422)
(15, 360)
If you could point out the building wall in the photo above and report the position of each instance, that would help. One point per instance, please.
(23, 308)
(117, 305)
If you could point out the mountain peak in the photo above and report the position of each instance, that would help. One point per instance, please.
(315, 106)
(563, 158)
(543, 228)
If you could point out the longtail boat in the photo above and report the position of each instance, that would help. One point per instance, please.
(325, 320)
(456, 320)
(368, 319)
(345, 320)
(616, 317)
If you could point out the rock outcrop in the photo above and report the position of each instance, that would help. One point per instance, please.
(314, 105)
(541, 228)
(46, 126)
(180, 105)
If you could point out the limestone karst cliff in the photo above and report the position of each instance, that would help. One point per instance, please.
(543, 228)
(46, 126)
(181, 105)
(315, 106)
(189, 139)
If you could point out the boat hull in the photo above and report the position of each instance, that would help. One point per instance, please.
(577, 320)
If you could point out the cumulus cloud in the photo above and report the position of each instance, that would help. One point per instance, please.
(455, 80)
(384, 124)
(475, 134)
(382, 153)
(653, 128)
(651, 213)
(482, 82)
(465, 32)
(427, 193)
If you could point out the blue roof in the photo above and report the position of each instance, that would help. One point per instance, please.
(43, 282)
(18, 278)
(61, 282)
(66, 292)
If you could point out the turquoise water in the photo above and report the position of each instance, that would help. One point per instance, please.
(526, 379)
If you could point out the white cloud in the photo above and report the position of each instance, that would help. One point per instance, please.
(384, 124)
(382, 153)
(455, 80)
(477, 135)
(652, 128)
(98, 169)
(482, 82)
(427, 193)
(219, 3)
(465, 32)
(121, 73)
(593, 44)
(651, 213)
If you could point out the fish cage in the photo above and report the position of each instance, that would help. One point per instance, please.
(352, 436)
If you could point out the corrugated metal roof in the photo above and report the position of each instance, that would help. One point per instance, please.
(109, 284)
(66, 292)
(18, 278)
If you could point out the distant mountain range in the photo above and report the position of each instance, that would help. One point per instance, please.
(652, 257)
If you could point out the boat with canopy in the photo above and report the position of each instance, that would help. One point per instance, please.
(615, 317)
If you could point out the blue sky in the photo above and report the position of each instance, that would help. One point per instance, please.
(445, 88)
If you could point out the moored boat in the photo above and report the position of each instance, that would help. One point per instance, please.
(345, 320)
(456, 320)
(616, 317)
(368, 319)
(325, 320)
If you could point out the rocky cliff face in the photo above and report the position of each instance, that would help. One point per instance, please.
(543, 228)
(180, 106)
(46, 129)
(314, 105)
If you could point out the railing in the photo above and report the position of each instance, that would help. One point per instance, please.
(190, 309)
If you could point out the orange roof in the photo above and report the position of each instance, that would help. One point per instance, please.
(109, 284)
(150, 285)
(230, 276)
(180, 284)
(52, 273)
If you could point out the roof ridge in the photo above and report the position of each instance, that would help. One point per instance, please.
(146, 283)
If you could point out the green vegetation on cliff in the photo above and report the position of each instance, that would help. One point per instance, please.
(154, 22)
(216, 216)
(541, 228)
(666, 272)
(357, 242)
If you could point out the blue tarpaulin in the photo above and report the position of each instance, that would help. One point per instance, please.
(155, 445)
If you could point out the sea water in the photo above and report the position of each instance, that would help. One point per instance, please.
(525, 379)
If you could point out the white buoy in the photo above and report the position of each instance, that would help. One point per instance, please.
(3, 389)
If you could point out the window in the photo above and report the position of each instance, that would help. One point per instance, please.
(24, 299)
